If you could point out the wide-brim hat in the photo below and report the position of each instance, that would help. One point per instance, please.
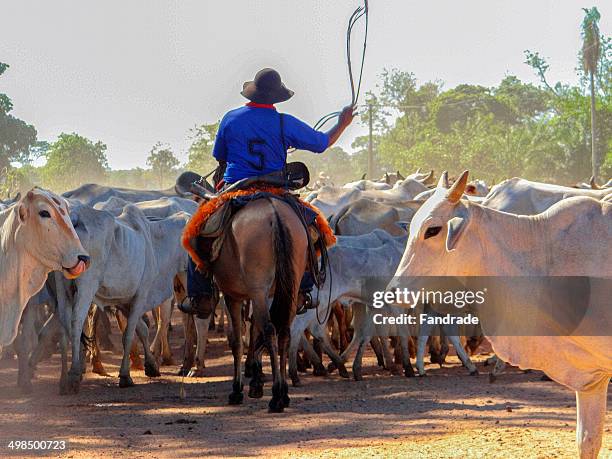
(266, 88)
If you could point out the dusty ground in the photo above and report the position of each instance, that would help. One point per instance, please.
(447, 414)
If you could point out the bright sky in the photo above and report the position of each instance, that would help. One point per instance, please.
(131, 73)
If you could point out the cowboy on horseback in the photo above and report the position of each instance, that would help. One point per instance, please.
(252, 141)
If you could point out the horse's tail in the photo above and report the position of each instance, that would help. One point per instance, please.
(284, 277)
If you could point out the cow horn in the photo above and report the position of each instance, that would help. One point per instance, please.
(428, 177)
(456, 191)
(443, 182)
(593, 183)
(418, 171)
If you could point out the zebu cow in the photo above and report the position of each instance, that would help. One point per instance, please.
(314, 319)
(9, 202)
(92, 193)
(331, 200)
(134, 262)
(36, 237)
(449, 236)
(158, 208)
(523, 197)
(364, 216)
(386, 182)
(367, 185)
(163, 208)
(352, 259)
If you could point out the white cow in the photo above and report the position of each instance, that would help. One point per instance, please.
(524, 197)
(452, 237)
(36, 237)
(134, 262)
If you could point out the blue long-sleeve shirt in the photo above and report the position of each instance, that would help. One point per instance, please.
(249, 140)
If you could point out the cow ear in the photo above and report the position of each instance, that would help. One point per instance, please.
(400, 176)
(23, 213)
(456, 226)
(387, 178)
(443, 182)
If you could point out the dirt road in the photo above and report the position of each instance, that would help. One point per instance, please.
(445, 415)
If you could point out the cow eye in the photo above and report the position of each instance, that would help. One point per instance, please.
(44, 214)
(432, 231)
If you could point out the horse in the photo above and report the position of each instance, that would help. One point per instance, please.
(262, 259)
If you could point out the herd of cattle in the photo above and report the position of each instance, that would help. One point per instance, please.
(68, 262)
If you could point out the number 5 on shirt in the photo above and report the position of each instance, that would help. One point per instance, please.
(255, 151)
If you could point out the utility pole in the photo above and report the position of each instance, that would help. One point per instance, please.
(370, 146)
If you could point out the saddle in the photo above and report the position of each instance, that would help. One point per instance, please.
(205, 233)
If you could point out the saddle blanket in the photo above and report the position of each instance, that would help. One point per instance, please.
(217, 212)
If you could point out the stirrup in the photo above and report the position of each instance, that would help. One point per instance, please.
(307, 304)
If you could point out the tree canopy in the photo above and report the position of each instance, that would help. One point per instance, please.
(72, 161)
(17, 140)
(199, 156)
(162, 162)
(539, 132)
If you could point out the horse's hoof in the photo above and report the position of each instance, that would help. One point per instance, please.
(331, 367)
(295, 379)
(255, 391)
(474, 372)
(319, 370)
(286, 400)
(357, 376)
(408, 372)
(235, 398)
(125, 381)
(183, 371)
(196, 373)
(422, 375)
(492, 378)
(151, 370)
(343, 372)
(276, 405)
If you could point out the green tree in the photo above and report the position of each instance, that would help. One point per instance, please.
(540, 132)
(72, 161)
(17, 139)
(334, 162)
(591, 53)
(162, 162)
(200, 158)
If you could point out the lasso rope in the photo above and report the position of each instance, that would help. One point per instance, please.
(361, 11)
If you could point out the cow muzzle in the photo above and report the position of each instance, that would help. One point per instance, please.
(81, 266)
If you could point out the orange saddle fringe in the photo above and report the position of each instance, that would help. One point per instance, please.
(206, 209)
